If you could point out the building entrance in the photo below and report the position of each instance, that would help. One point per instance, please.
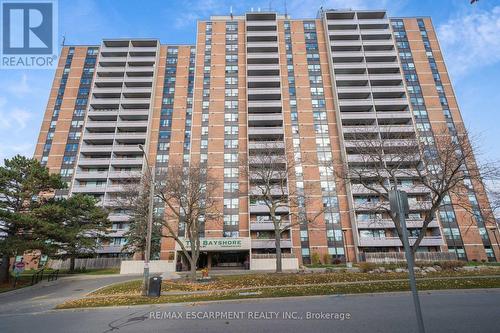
(217, 260)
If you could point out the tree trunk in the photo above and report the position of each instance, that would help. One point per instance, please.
(4, 269)
(192, 271)
(71, 264)
(277, 242)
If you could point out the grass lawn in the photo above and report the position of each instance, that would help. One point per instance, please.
(24, 280)
(225, 287)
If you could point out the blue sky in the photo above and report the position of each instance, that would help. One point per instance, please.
(469, 36)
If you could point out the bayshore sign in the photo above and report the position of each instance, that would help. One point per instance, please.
(219, 244)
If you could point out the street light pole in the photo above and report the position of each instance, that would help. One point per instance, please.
(147, 252)
(399, 204)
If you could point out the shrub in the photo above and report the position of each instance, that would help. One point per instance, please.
(327, 259)
(315, 258)
(452, 264)
(367, 266)
(337, 261)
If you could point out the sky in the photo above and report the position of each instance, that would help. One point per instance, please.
(469, 36)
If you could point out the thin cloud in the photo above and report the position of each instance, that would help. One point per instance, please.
(471, 40)
(15, 118)
(20, 88)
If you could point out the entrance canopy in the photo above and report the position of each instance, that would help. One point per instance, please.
(219, 244)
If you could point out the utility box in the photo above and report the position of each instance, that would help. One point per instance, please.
(154, 286)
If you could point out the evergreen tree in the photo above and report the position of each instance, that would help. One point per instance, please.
(74, 225)
(25, 185)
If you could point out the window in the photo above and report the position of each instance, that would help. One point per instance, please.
(231, 117)
(230, 143)
(231, 203)
(231, 187)
(231, 172)
(66, 172)
(230, 158)
(230, 130)
(74, 135)
(231, 92)
(72, 147)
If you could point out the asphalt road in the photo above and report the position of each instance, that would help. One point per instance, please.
(45, 295)
(444, 311)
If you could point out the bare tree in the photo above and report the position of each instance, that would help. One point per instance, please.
(135, 200)
(268, 171)
(443, 166)
(189, 196)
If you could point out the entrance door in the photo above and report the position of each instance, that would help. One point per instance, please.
(229, 260)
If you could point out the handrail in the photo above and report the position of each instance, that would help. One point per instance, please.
(53, 275)
(37, 277)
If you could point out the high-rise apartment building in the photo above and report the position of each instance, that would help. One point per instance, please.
(306, 86)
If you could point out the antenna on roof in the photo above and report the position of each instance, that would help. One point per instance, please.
(231, 11)
(286, 10)
(63, 40)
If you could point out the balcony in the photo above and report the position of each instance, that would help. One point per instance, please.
(275, 119)
(129, 103)
(263, 209)
(271, 132)
(386, 77)
(381, 206)
(127, 161)
(263, 79)
(110, 249)
(132, 124)
(85, 148)
(113, 217)
(102, 103)
(351, 77)
(267, 159)
(91, 175)
(359, 189)
(110, 69)
(265, 92)
(88, 189)
(266, 225)
(259, 145)
(130, 135)
(127, 148)
(394, 241)
(271, 46)
(124, 174)
(262, 67)
(134, 79)
(270, 22)
(397, 128)
(98, 137)
(100, 124)
(142, 49)
(342, 22)
(389, 224)
(93, 161)
(275, 191)
(264, 104)
(116, 232)
(270, 243)
(263, 55)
